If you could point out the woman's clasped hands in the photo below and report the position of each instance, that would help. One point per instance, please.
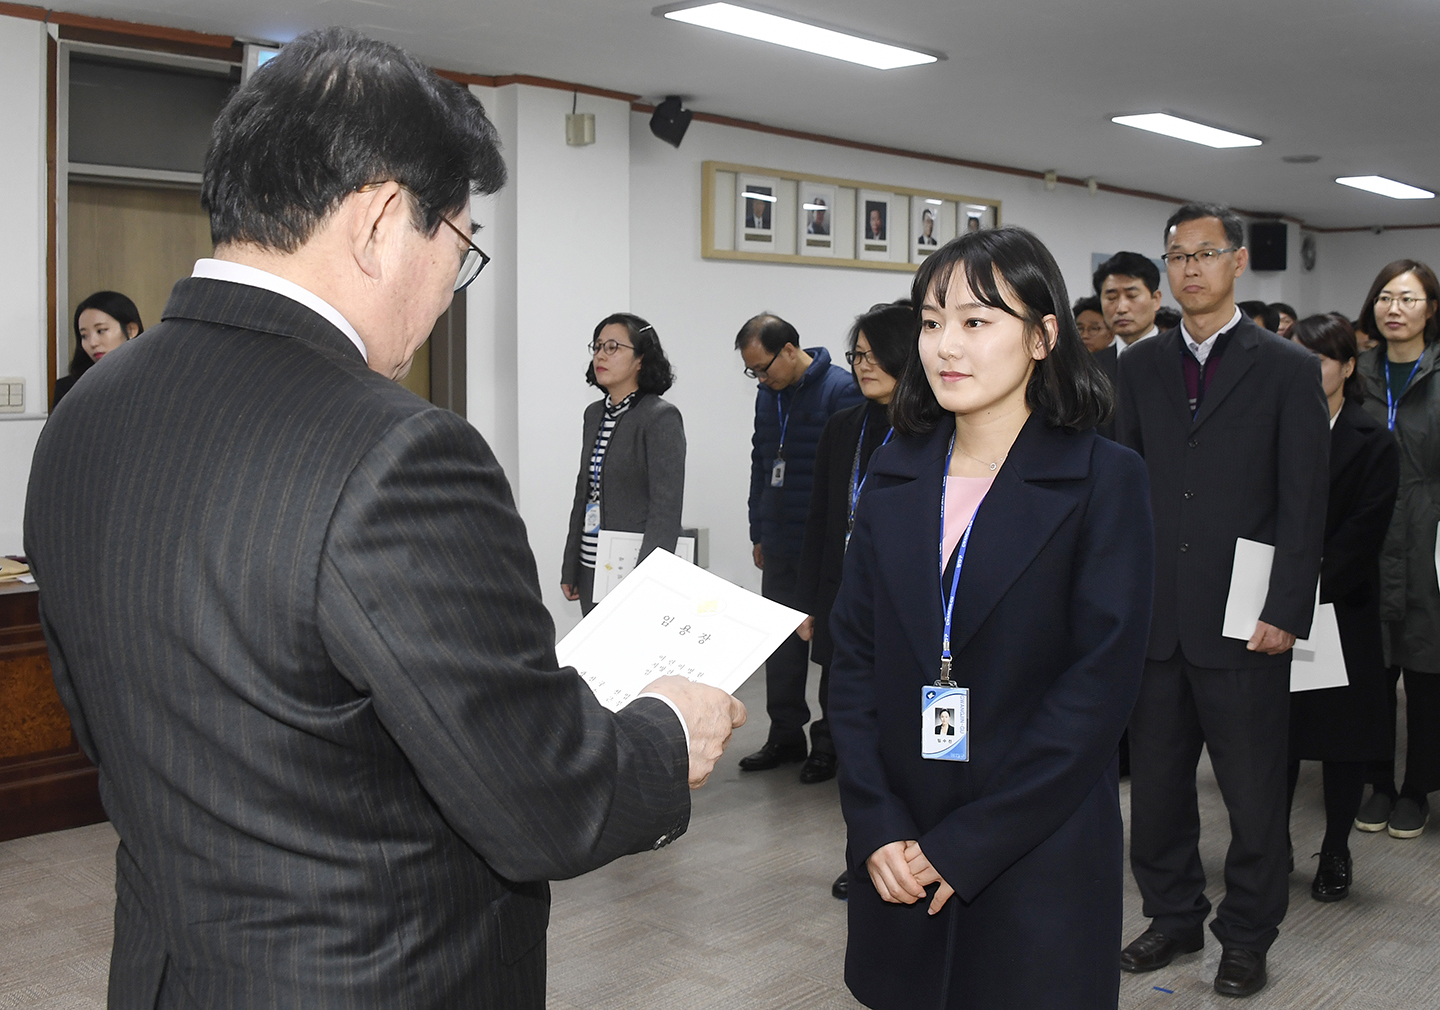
(901, 873)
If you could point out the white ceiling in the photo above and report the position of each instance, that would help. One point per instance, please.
(1028, 83)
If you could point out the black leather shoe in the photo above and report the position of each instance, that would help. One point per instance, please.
(818, 767)
(1242, 972)
(772, 755)
(841, 887)
(1332, 879)
(1152, 949)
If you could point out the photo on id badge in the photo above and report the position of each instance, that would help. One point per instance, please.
(945, 723)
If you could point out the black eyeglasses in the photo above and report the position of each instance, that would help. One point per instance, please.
(756, 373)
(853, 358)
(474, 259)
(1204, 257)
(607, 347)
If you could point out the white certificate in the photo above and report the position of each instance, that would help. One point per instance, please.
(616, 555)
(670, 617)
(1315, 663)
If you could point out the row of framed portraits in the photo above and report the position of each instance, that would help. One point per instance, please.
(776, 216)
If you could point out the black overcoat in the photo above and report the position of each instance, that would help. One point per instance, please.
(823, 554)
(1409, 583)
(1353, 723)
(1252, 463)
(1051, 622)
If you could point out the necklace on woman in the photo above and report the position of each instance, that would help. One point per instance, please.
(993, 466)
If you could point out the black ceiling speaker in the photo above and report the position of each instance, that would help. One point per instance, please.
(670, 122)
(1268, 242)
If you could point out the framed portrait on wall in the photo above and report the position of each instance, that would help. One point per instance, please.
(978, 216)
(755, 199)
(815, 223)
(872, 224)
(932, 225)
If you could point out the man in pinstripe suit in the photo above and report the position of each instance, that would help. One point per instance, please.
(291, 608)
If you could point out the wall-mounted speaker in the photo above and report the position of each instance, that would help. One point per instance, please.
(1268, 243)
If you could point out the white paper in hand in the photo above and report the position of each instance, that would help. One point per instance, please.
(670, 617)
(1315, 663)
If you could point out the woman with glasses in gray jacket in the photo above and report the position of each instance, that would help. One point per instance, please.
(632, 459)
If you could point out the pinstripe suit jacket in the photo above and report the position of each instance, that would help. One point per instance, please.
(294, 618)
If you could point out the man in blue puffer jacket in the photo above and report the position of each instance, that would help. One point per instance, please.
(799, 390)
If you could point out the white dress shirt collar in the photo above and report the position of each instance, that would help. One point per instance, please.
(1121, 346)
(1202, 350)
(239, 273)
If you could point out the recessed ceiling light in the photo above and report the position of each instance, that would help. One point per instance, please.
(1386, 187)
(786, 31)
(935, 202)
(1184, 129)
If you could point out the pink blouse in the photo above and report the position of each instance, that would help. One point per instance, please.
(963, 496)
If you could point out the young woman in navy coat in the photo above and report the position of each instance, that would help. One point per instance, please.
(995, 882)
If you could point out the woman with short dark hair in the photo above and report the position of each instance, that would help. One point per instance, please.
(102, 323)
(1001, 566)
(632, 464)
(1347, 727)
(1403, 393)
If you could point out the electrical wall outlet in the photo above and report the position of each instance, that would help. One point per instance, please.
(12, 394)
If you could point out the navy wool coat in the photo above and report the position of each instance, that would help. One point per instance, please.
(1050, 627)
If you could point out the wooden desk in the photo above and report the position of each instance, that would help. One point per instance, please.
(46, 783)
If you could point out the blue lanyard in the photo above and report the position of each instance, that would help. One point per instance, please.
(1392, 403)
(857, 479)
(784, 416)
(949, 605)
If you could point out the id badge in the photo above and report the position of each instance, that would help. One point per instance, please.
(945, 723)
(777, 474)
(592, 517)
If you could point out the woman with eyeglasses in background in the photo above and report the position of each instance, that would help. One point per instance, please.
(632, 460)
(879, 343)
(1403, 393)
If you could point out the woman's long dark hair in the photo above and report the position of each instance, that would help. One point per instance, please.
(1388, 274)
(1067, 389)
(656, 375)
(113, 304)
(1332, 336)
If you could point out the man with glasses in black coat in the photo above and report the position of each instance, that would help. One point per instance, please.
(1234, 428)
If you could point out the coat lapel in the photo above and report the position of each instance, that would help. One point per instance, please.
(1017, 518)
(1238, 359)
(1170, 370)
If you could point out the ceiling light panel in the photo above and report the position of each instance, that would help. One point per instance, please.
(784, 31)
(1386, 187)
(1183, 129)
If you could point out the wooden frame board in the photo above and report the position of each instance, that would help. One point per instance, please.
(708, 191)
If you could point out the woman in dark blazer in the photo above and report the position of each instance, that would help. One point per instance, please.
(632, 458)
(879, 343)
(991, 882)
(1347, 727)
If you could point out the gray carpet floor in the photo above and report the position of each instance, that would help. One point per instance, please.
(738, 913)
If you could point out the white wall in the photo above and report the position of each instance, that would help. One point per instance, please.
(22, 259)
(698, 305)
(1347, 262)
(560, 233)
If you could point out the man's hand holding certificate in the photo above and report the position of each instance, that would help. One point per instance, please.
(669, 619)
